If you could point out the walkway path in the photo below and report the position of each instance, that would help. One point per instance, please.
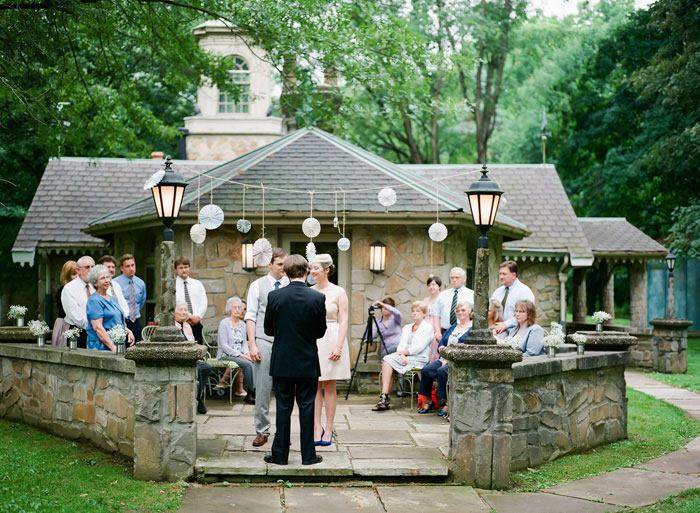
(615, 491)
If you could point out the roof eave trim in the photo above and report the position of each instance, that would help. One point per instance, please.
(23, 256)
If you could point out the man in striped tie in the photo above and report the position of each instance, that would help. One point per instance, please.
(191, 292)
(134, 290)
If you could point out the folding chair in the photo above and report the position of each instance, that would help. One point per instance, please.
(210, 334)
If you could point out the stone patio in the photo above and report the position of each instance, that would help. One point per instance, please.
(368, 444)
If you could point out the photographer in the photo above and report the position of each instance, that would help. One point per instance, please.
(389, 324)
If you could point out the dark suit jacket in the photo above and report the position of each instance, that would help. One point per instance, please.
(296, 318)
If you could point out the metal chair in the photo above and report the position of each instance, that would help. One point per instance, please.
(409, 376)
(210, 334)
(147, 333)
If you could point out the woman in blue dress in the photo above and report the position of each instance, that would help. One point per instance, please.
(103, 312)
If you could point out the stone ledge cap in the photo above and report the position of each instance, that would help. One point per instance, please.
(606, 338)
(19, 333)
(501, 356)
(674, 323)
(166, 353)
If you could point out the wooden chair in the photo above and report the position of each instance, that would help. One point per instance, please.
(210, 334)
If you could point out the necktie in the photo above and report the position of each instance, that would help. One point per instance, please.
(277, 285)
(505, 298)
(132, 301)
(453, 307)
(87, 289)
(188, 300)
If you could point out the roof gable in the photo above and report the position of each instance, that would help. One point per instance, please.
(617, 236)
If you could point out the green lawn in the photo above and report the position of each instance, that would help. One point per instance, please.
(654, 428)
(689, 380)
(686, 502)
(620, 321)
(42, 473)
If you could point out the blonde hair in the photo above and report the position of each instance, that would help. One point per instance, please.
(420, 304)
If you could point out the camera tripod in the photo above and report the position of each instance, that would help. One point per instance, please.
(367, 339)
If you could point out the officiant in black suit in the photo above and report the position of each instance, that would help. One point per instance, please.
(296, 318)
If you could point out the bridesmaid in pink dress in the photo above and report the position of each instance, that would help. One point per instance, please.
(333, 350)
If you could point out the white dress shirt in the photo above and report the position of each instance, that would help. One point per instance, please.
(74, 300)
(198, 296)
(518, 291)
(251, 313)
(115, 291)
(443, 303)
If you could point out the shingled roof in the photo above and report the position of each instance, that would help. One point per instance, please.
(74, 190)
(534, 195)
(305, 160)
(615, 236)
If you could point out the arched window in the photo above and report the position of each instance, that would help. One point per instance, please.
(241, 77)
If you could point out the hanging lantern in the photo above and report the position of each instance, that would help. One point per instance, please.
(247, 261)
(311, 227)
(377, 257)
(343, 244)
(262, 252)
(198, 233)
(211, 216)
(386, 197)
(437, 232)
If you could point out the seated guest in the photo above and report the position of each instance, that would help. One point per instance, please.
(389, 325)
(531, 334)
(413, 351)
(495, 316)
(233, 346)
(203, 368)
(103, 312)
(456, 334)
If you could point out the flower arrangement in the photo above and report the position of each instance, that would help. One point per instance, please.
(16, 311)
(72, 334)
(38, 328)
(117, 334)
(555, 337)
(578, 338)
(601, 317)
(513, 341)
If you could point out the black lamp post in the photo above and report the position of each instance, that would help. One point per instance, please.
(670, 300)
(484, 198)
(167, 196)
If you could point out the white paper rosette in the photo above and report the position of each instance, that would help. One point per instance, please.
(437, 232)
(154, 180)
(243, 225)
(262, 252)
(310, 251)
(211, 216)
(343, 244)
(198, 233)
(311, 227)
(386, 197)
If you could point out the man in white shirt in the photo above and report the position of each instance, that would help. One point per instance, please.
(192, 293)
(510, 292)
(75, 296)
(114, 289)
(443, 310)
(260, 344)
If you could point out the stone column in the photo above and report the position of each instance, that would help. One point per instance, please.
(638, 295)
(481, 410)
(670, 338)
(606, 289)
(165, 430)
(579, 305)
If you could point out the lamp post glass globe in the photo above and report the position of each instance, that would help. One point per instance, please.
(377, 257)
(167, 197)
(670, 262)
(484, 198)
(247, 261)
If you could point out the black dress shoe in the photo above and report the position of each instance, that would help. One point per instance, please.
(201, 408)
(317, 459)
(270, 459)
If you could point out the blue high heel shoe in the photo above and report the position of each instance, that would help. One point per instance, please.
(320, 442)
(323, 443)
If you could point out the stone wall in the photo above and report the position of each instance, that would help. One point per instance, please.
(74, 394)
(567, 404)
(224, 147)
(543, 280)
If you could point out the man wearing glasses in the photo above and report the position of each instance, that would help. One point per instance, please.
(75, 296)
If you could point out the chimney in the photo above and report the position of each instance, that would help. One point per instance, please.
(157, 155)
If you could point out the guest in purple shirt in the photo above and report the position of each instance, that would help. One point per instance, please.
(389, 325)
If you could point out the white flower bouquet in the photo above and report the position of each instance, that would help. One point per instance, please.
(555, 337)
(578, 338)
(117, 334)
(601, 317)
(38, 328)
(72, 334)
(512, 341)
(16, 311)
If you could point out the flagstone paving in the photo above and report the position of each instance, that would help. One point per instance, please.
(400, 446)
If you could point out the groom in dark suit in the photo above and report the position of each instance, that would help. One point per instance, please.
(296, 318)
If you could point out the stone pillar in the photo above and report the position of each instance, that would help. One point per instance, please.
(670, 338)
(165, 430)
(638, 295)
(579, 305)
(606, 289)
(481, 410)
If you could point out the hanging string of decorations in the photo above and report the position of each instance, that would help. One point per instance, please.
(198, 233)
(243, 225)
(262, 249)
(211, 216)
(343, 242)
(437, 230)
